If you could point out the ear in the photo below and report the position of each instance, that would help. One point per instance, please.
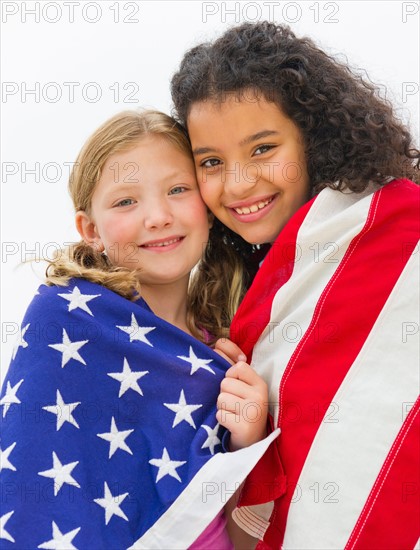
(88, 230)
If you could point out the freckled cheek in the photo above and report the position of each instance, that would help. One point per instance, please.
(199, 211)
(202, 179)
(199, 217)
(118, 230)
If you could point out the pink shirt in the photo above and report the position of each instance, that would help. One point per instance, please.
(214, 537)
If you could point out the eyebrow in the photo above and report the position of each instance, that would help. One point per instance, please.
(131, 184)
(246, 141)
(127, 187)
(119, 189)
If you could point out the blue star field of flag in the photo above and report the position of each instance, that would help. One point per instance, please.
(107, 413)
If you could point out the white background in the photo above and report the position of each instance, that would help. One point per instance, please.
(114, 52)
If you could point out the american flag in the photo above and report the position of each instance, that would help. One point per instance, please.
(334, 317)
(108, 432)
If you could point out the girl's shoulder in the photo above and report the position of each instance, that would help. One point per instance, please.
(50, 300)
(49, 290)
(83, 300)
(74, 285)
(404, 184)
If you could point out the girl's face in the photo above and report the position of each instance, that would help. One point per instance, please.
(250, 164)
(147, 212)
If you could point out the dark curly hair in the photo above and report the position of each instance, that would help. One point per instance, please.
(351, 134)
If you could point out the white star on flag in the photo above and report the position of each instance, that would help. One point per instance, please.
(3, 533)
(212, 439)
(69, 349)
(20, 342)
(166, 466)
(64, 411)
(197, 363)
(128, 378)
(116, 439)
(60, 473)
(111, 504)
(78, 300)
(4, 458)
(136, 332)
(182, 410)
(60, 541)
(9, 397)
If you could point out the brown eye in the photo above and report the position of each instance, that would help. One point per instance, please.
(263, 149)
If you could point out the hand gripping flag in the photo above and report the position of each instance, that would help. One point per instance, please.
(109, 438)
(333, 316)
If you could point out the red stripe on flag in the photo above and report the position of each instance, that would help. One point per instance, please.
(250, 319)
(391, 516)
(377, 250)
(351, 302)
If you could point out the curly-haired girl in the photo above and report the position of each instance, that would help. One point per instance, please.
(295, 150)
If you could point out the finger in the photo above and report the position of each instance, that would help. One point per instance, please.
(229, 402)
(242, 434)
(243, 371)
(228, 359)
(230, 349)
(227, 419)
(238, 388)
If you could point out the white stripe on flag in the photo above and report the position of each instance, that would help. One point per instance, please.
(203, 498)
(328, 501)
(323, 238)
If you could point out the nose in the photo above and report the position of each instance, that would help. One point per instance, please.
(240, 178)
(158, 215)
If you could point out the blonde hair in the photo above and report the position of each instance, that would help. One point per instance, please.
(212, 307)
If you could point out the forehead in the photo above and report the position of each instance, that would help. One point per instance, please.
(236, 117)
(151, 160)
(147, 146)
(152, 152)
(220, 104)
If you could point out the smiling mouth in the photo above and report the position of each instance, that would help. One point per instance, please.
(162, 243)
(253, 208)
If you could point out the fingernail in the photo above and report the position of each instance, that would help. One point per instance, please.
(241, 357)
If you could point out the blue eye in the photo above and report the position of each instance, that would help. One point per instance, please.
(125, 202)
(177, 190)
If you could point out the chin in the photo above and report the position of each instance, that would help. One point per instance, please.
(259, 238)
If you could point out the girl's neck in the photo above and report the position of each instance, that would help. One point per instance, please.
(169, 302)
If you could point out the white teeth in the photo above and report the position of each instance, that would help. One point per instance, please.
(253, 207)
(166, 243)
